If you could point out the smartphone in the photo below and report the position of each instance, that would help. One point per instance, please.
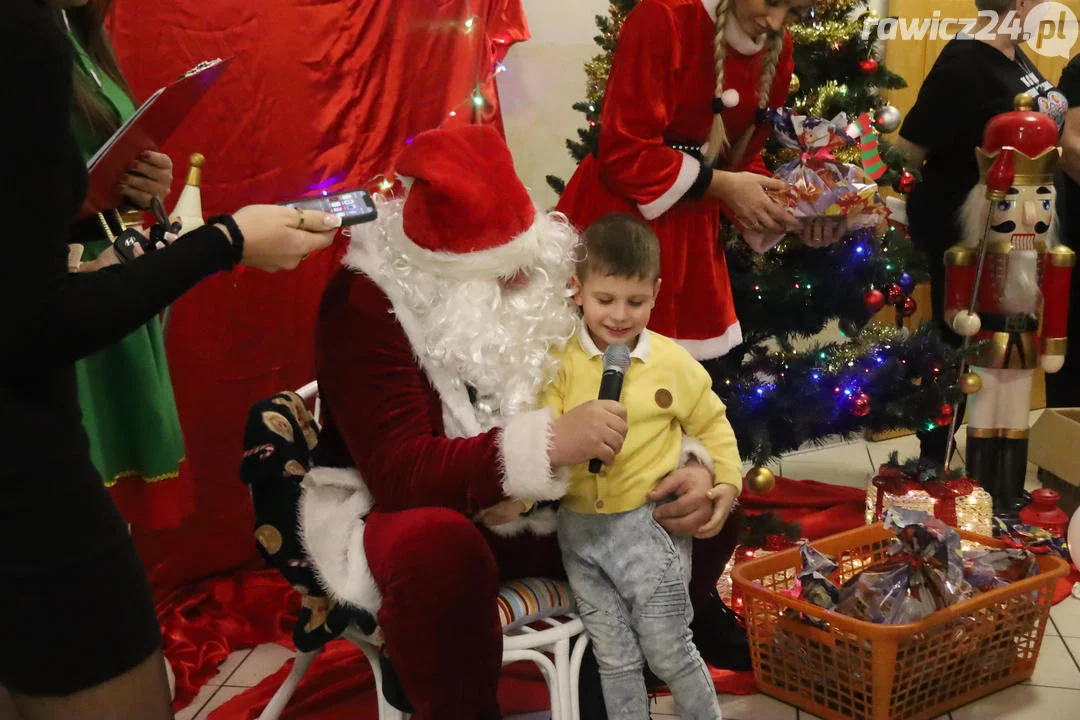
(353, 207)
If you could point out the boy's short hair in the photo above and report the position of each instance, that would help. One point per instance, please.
(621, 245)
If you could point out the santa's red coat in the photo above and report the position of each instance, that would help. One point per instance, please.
(660, 90)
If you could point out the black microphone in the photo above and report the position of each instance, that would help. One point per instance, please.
(616, 361)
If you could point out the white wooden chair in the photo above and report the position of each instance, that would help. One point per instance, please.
(556, 645)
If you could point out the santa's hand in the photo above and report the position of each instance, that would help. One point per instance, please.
(501, 513)
(1052, 363)
(692, 508)
(966, 324)
(594, 429)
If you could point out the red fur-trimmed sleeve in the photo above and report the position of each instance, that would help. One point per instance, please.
(388, 416)
(639, 102)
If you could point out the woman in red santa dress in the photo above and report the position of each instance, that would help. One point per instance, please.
(680, 145)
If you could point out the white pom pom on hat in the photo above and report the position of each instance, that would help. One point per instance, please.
(730, 97)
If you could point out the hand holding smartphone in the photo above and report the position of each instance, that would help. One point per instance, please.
(353, 206)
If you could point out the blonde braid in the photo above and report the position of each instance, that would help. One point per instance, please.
(769, 61)
(718, 139)
(768, 67)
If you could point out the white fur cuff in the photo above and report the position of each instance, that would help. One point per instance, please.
(332, 508)
(523, 450)
(688, 173)
(693, 449)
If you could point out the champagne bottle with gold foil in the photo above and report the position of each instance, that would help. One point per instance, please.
(189, 205)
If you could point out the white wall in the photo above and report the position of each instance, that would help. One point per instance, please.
(544, 77)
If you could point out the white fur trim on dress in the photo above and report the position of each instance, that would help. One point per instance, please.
(688, 173)
(714, 347)
(538, 522)
(333, 505)
(693, 449)
(523, 454)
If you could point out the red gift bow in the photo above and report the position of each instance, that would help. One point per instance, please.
(817, 158)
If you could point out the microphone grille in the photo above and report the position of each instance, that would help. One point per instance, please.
(617, 357)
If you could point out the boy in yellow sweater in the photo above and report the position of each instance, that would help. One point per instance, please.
(629, 576)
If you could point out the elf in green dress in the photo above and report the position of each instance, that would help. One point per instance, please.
(125, 392)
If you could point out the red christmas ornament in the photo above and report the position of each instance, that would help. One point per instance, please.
(945, 415)
(868, 66)
(873, 300)
(904, 183)
(860, 404)
(894, 293)
(909, 307)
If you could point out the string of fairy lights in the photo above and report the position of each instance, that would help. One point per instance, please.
(475, 100)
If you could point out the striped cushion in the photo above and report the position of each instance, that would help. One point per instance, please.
(524, 601)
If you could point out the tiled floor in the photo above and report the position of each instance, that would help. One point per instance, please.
(1052, 694)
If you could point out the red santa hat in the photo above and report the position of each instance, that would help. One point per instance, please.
(466, 207)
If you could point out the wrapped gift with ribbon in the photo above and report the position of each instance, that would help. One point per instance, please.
(1031, 537)
(954, 499)
(819, 184)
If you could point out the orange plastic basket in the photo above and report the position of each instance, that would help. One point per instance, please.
(856, 670)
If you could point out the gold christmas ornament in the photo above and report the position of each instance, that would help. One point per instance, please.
(795, 84)
(970, 383)
(760, 480)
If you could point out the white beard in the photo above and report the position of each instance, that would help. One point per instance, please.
(501, 342)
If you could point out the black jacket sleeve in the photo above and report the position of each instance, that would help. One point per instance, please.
(49, 317)
(947, 101)
(1069, 84)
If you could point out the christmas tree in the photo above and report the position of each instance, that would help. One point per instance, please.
(881, 376)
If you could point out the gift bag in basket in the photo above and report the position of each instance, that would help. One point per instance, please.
(819, 185)
(841, 668)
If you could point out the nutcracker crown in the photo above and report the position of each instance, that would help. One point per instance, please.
(1029, 138)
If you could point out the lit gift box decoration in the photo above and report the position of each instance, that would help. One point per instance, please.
(725, 587)
(955, 500)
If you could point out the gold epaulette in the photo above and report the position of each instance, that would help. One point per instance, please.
(960, 255)
(1062, 256)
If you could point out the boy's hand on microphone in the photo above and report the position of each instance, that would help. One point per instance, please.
(594, 429)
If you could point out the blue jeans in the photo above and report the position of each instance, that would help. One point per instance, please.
(630, 580)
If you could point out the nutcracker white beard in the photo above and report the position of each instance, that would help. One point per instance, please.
(499, 341)
(1007, 222)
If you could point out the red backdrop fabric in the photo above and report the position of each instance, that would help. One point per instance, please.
(321, 95)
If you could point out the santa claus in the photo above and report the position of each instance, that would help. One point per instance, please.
(1007, 288)
(433, 342)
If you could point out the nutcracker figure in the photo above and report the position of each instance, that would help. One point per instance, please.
(1007, 291)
